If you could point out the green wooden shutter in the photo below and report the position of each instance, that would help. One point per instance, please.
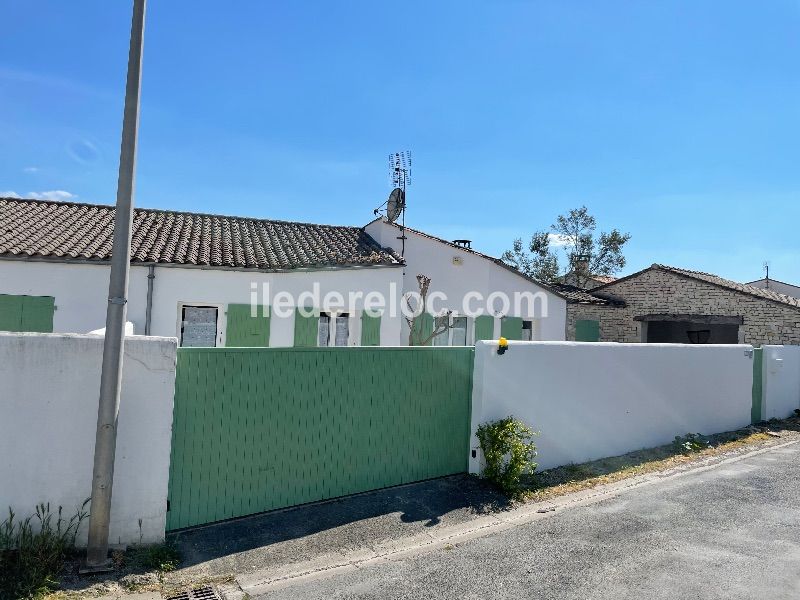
(484, 327)
(511, 328)
(587, 330)
(423, 328)
(370, 329)
(26, 313)
(10, 313)
(306, 330)
(244, 330)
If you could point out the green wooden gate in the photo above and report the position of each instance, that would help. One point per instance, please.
(257, 429)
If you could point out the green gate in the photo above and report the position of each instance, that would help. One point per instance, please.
(257, 429)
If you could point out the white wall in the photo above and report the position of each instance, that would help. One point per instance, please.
(781, 380)
(81, 292)
(475, 273)
(49, 391)
(595, 400)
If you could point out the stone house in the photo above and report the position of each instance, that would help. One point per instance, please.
(667, 304)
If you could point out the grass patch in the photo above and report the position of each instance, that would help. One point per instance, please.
(556, 482)
(163, 558)
(33, 550)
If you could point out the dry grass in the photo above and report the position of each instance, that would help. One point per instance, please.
(572, 478)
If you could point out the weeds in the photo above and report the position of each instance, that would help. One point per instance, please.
(691, 443)
(163, 558)
(33, 551)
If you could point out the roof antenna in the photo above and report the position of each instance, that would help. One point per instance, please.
(400, 172)
(766, 269)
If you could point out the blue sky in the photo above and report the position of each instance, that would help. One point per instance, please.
(678, 122)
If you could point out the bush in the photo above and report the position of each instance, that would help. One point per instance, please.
(509, 451)
(32, 552)
(691, 443)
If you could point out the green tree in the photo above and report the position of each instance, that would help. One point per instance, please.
(586, 253)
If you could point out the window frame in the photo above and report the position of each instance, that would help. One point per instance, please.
(219, 340)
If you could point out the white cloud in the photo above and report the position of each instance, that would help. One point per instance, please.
(31, 169)
(9, 194)
(558, 240)
(56, 195)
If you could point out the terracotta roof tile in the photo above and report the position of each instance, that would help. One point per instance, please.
(83, 231)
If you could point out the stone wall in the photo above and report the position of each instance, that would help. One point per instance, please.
(660, 292)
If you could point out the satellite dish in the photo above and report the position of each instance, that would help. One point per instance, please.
(395, 204)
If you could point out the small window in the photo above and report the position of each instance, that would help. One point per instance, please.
(527, 331)
(342, 329)
(459, 332)
(338, 335)
(324, 332)
(443, 338)
(199, 326)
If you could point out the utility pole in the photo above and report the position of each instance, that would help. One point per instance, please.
(110, 381)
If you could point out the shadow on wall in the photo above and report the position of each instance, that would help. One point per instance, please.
(406, 510)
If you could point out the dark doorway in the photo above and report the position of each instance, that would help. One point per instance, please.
(688, 332)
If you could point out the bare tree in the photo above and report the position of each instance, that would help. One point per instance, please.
(441, 323)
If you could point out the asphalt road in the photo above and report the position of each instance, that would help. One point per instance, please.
(729, 532)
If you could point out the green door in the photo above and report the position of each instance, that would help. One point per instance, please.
(511, 328)
(587, 330)
(244, 330)
(26, 313)
(370, 329)
(306, 330)
(484, 327)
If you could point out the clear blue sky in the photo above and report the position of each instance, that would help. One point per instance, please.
(678, 122)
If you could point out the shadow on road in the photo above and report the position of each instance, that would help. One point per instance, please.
(343, 524)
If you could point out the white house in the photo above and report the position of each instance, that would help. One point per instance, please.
(460, 273)
(193, 276)
(198, 277)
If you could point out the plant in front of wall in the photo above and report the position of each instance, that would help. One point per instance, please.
(691, 443)
(33, 550)
(508, 449)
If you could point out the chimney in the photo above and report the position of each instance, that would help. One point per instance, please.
(581, 266)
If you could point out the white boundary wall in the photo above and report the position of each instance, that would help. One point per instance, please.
(781, 391)
(49, 391)
(595, 400)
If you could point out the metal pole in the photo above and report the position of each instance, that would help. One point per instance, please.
(110, 380)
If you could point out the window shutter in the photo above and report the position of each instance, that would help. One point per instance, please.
(37, 313)
(305, 330)
(511, 328)
(484, 327)
(370, 329)
(587, 331)
(244, 330)
(423, 328)
(27, 313)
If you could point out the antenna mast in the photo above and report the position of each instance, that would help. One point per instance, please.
(400, 168)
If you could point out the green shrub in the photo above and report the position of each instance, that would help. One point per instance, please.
(690, 443)
(32, 551)
(509, 451)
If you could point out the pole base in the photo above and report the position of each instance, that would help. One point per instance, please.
(104, 567)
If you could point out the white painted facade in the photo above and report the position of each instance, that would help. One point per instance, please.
(81, 291)
(457, 272)
(49, 390)
(781, 382)
(596, 400)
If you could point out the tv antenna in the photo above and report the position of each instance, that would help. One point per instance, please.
(395, 205)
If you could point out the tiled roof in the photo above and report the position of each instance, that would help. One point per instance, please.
(576, 295)
(603, 278)
(732, 285)
(84, 231)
